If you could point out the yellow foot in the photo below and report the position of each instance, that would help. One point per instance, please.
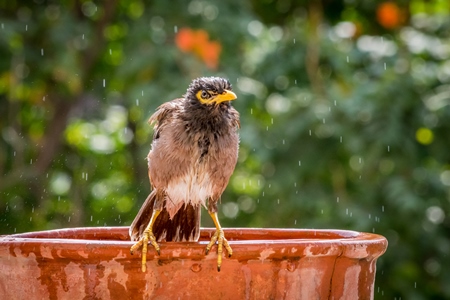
(143, 242)
(221, 241)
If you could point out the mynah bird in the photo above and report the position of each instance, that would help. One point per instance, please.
(193, 154)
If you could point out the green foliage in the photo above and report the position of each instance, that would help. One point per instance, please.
(344, 110)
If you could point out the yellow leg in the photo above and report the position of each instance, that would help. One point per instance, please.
(218, 237)
(147, 236)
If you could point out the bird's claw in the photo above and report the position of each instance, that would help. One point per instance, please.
(147, 236)
(219, 237)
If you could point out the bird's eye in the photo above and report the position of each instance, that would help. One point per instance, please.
(205, 95)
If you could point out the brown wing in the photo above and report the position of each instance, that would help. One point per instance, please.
(185, 224)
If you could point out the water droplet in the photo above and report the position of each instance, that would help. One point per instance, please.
(389, 148)
(278, 200)
(337, 199)
(385, 66)
(382, 208)
(91, 218)
(310, 132)
(196, 268)
(104, 82)
(295, 81)
(42, 51)
(142, 93)
(137, 102)
(299, 163)
(295, 222)
(294, 41)
(271, 121)
(340, 139)
(348, 59)
(26, 27)
(291, 266)
(175, 29)
(323, 120)
(251, 111)
(335, 103)
(69, 219)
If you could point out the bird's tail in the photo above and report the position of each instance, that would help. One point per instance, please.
(184, 226)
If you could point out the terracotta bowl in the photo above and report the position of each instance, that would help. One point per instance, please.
(95, 263)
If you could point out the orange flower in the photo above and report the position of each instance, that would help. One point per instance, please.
(198, 43)
(389, 15)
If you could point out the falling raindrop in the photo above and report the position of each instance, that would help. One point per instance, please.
(31, 161)
(283, 142)
(337, 199)
(321, 211)
(340, 139)
(271, 121)
(295, 81)
(26, 27)
(299, 163)
(251, 111)
(137, 102)
(295, 222)
(335, 103)
(382, 208)
(91, 218)
(82, 37)
(3, 26)
(389, 148)
(323, 120)
(310, 132)
(104, 82)
(278, 200)
(142, 93)
(42, 51)
(110, 51)
(69, 219)
(175, 29)
(385, 66)
(348, 59)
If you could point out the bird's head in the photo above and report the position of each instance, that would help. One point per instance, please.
(210, 91)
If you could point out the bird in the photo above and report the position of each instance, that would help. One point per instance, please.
(193, 154)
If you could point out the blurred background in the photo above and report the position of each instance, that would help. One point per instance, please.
(345, 114)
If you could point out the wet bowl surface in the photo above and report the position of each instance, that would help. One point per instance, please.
(95, 263)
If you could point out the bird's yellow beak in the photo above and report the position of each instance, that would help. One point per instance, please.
(225, 96)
